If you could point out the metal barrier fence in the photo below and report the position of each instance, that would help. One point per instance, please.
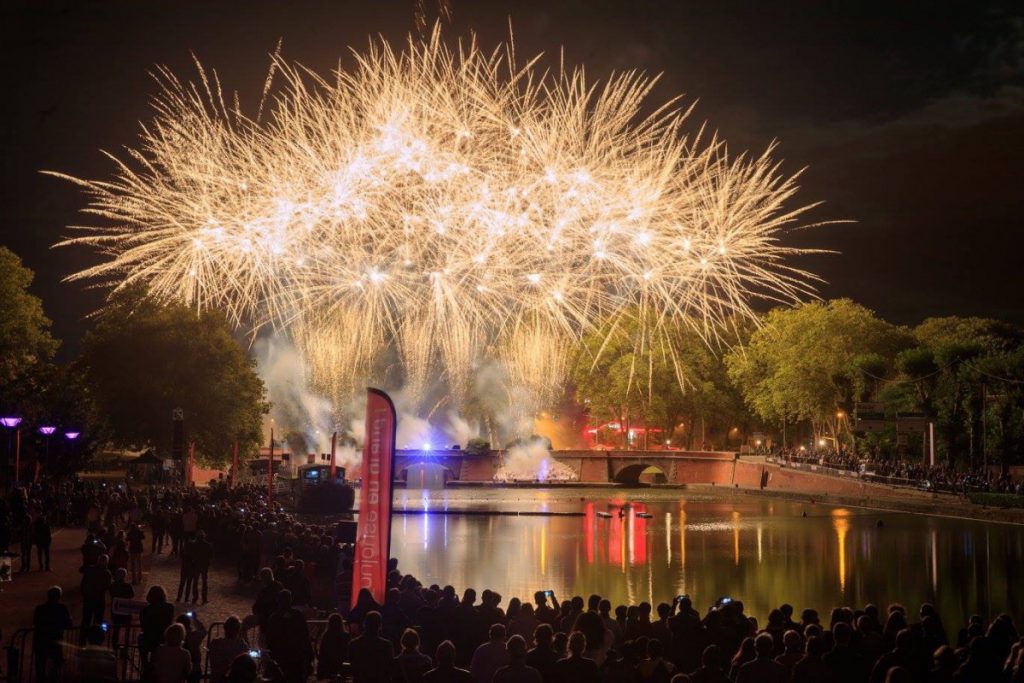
(811, 465)
(72, 658)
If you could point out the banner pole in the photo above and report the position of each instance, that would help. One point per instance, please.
(234, 466)
(270, 472)
(334, 453)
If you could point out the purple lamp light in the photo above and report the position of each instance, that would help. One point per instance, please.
(47, 431)
(10, 422)
(71, 436)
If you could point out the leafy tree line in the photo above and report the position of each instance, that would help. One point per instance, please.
(804, 369)
(139, 362)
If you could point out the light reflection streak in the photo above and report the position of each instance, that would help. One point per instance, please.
(736, 537)
(842, 526)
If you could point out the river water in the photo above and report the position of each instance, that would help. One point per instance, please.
(762, 551)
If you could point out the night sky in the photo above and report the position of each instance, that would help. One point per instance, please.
(909, 117)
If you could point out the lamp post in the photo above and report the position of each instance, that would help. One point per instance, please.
(71, 437)
(11, 422)
(47, 431)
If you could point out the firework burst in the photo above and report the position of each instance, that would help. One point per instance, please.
(440, 205)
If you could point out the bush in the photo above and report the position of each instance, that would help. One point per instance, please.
(997, 500)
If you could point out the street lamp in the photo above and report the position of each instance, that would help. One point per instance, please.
(12, 422)
(71, 436)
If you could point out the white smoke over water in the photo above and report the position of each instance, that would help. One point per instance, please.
(295, 408)
(532, 461)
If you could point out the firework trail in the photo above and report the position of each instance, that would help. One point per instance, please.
(438, 205)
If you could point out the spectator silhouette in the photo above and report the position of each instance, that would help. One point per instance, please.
(156, 617)
(50, 620)
(446, 671)
(222, 651)
(333, 651)
(410, 665)
(576, 668)
(171, 663)
(517, 670)
(763, 669)
(490, 656)
(288, 639)
(543, 657)
(369, 654)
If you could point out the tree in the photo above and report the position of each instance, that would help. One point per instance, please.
(623, 376)
(24, 329)
(944, 371)
(144, 359)
(814, 360)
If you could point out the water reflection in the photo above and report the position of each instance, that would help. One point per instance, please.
(763, 552)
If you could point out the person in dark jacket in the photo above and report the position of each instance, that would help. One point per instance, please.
(187, 570)
(543, 657)
(120, 588)
(50, 620)
(446, 671)
(369, 654)
(202, 554)
(288, 640)
(576, 668)
(763, 669)
(42, 536)
(333, 651)
(156, 618)
(95, 583)
(136, 545)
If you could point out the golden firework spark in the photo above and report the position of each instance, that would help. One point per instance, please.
(442, 204)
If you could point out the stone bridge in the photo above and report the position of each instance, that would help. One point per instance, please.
(625, 467)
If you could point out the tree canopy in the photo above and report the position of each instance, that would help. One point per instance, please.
(24, 328)
(143, 360)
(807, 362)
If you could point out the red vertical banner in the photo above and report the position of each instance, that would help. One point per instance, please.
(190, 473)
(334, 453)
(373, 535)
(234, 466)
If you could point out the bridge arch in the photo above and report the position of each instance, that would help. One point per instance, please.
(641, 473)
(426, 474)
